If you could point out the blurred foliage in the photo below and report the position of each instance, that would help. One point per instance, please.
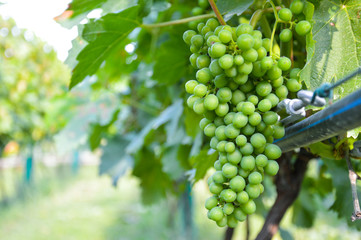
(33, 87)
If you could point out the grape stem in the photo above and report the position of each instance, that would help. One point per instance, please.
(179, 21)
(217, 12)
(257, 15)
(275, 25)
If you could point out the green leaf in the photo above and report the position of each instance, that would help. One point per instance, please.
(191, 122)
(335, 51)
(203, 161)
(171, 62)
(228, 8)
(171, 164)
(104, 36)
(153, 181)
(343, 204)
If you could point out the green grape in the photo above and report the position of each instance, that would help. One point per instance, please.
(197, 41)
(269, 139)
(234, 157)
(228, 208)
(223, 158)
(245, 42)
(274, 72)
(222, 109)
(261, 126)
(190, 85)
(191, 100)
(228, 195)
(248, 130)
(241, 79)
(264, 105)
(258, 71)
(193, 24)
(279, 132)
(210, 115)
(211, 102)
(222, 222)
(246, 149)
(273, 98)
(218, 29)
(243, 29)
(239, 120)
(270, 118)
(197, 11)
(203, 61)
(228, 119)
(187, 36)
(268, 131)
(282, 92)
(218, 177)
(198, 106)
(220, 81)
(303, 27)
(221, 146)
(210, 130)
(232, 85)
(249, 207)
(203, 123)
(278, 82)
(230, 147)
(253, 191)
(267, 63)
(205, 30)
(231, 131)
(261, 188)
(242, 197)
(210, 181)
(216, 213)
(285, 14)
(241, 140)
(229, 170)
(296, 6)
(225, 36)
(217, 164)
(220, 133)
(286, 35)
(238, 60)
(262, 53)
(284, 63)
(257, 43)
(232, 221)
(272, 168)
(231, 72)
(253, 99)
(237, 184)
(194, 49)
(200, 26)
(294, 73)
(255, 119)
(272, 151)
(255, 178)
(263, 88)
(213, 143)
(293, 85)
(258, 140)
(237, 97)
(218, 121)
(248, 163)
(212, 40)
(212, 22)
(261, 160)
(204, 75)
(259, 150)
(193, 59)
(217, 50)
(226, 61)
(250, 55)
(224, 95)
(246, 68)
(257, 34)
(239, 214)
(248, 108)
(215, 188)
(266, 43)
(200, 90)
(211, 202)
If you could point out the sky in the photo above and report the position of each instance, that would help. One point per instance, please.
(38, 17)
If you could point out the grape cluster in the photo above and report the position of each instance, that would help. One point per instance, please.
(236, 89)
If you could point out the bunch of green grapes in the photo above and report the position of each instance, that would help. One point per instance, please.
(237, 87)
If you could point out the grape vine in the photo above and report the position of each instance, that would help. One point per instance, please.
(240, 79)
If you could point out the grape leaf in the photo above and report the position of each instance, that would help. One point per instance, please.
(334, 50)
(228, 8)
(104, 36)
(170, 163)
(203, 161)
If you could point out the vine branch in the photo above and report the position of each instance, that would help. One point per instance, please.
(217, 12)
(356, 215)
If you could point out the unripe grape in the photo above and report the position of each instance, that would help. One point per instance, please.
(284, 63)
(243, 173)
(261, 160)
(279, 132)
(285, 14)
(229, 170)
(282, 92)
(248, 108)
(212, 22)
(222, 109)
(191, 100)
(214, 142)
(220, 133)
(198, 106)
(255, 178)
(231, 72)
(224, 95)
(239, 214)
(200, 90)
(263, 88)
(226, 61)
(217, 50)
(286, 35)
(293, 85)
(250, 55)
(274, 72)
(193, 59)
(232, 221)
(197, 41)
(253, 190)
(241, 79)
(242, 197)
(228, 208)
(230, 147)
(240, 120)
(204, 75)
(187, 36)
(203, 61)
(255, 119)
(218, 177)
(238, 60)
(217, 164)
(228, 119)
(303, 27)
(190, 85)
(237, 184)
(225, 36)
(231, 131)
(246, 149)
(296, 7)
(245, 42)
(237, 97)
(246, 68)
(278, 82)
(234, 157)
(273, 98)
(228, 195)
(210, 130)
(203, 123)
(212, 40)
(267, 63)
(221, 146)
(211, 102)
(220, 81)
(270, 118)
(249, 207)
(248, 163)
(223, 221)
(264, 105)
(248, 130)
(215, 188)
(216, 213)
(258, 140)
(257, 43)
(272, 168)
(266, 43)
(272, 151)
(197, 11)
(262, 53)
(211, 202)
(241, 140)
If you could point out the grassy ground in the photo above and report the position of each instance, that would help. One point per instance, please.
(88, 207)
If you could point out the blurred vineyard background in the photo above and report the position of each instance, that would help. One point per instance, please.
(52, 177)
